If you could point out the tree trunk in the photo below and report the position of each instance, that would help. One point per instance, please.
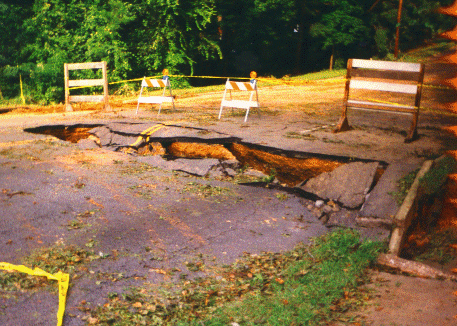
(301, 36)
(332, 58)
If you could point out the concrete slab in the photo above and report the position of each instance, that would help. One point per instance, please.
(380, 202)
(347, 184)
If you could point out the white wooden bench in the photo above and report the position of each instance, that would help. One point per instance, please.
(240, 104)
(155, 83)
(375, 77)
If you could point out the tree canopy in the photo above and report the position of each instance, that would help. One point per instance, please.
(141, 37)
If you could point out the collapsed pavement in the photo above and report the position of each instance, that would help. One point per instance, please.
(145, 219)
(351, 192)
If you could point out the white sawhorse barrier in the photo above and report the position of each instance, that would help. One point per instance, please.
(157, 83)
(240, 86)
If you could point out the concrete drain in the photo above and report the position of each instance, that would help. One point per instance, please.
(341, 179)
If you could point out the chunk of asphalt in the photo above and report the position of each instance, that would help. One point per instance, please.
(87, 144)
(347, 184)
(104, 135)
(381, 204)
(199, 167)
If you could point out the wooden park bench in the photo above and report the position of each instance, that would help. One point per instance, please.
(366, 79)
(76, 83)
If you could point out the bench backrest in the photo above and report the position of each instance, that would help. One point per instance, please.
(373, 77)
(69, 83)
(385, 76)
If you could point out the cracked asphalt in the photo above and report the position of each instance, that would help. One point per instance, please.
(144, 221)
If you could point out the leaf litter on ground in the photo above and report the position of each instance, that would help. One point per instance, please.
(309, 285)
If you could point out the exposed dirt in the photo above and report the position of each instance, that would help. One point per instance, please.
(408, 301)
(55, 192)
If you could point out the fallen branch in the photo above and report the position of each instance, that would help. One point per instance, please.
(413, 267)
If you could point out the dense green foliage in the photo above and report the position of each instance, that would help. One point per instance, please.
(213, 37)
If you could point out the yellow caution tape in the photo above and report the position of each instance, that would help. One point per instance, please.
(135, 79)
(271, 80)
(386, 102)
(216, 77)
(62, 278)
(439, 87)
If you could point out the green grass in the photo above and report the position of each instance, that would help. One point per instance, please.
(403, 186)
(433, 181)
(324, 74)
(438, 47)
(205, 190)
(309, 285)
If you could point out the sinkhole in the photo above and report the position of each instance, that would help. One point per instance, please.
(73, 133)
(289, 167)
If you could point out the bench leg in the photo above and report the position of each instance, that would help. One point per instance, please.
(412, 134)
(343, 125)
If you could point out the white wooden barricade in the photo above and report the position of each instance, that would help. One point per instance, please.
(84, 83)
(397, 78)
(157, 83)
(240, 104)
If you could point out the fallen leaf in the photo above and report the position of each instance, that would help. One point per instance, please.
(158, 271)
(454, 270)
(95, 203)
(279, 280)
(137, 305)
